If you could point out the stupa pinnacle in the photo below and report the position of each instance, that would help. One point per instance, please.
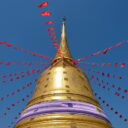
(63, 97)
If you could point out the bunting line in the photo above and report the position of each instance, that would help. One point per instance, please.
(26, 51)
(15, 74)
(102, 51)
(113, 86)
(22, 76)
(115, 64)
(111, 108)
(13, 122)
(109, 75)
(17, 102)
(53, 34)
(17, 91)
(24, 63)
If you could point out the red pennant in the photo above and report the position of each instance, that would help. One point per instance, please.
(55, 41)
(115, 64)
(103, 64)
(51, 28)
(52, 33)
(16, 47)
(46, 13)
(54, 37)
(2, 42)
(48, 22)
(55, 44)
(105, 51)
(9, 45)
(103, 74)
(117, 45)
(43, 4)
(109, 64)
(122, 65)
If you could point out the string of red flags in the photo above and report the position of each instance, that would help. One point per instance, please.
(17, 91)
(102, 51)
(111, 108)
(24, 63)
(115, 64)
(109, 75)
(27, 51)
(109, 86)
(43, 4)
(17, 102)
(14, 120)
(48, 13)
(28, 73)
(22, 72)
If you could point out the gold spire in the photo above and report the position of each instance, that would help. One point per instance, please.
(63, 97)
(63, 50)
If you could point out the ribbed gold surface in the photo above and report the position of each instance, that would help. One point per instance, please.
(63, 121)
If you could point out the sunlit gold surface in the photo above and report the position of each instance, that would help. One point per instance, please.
(63, 80)
(63, 49)
(63, 121)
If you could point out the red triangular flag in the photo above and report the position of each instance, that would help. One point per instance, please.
(51, 28)
(55, 41)
(122, 65)
(48, 22)
(43, 4)
(2, 42)
(9, 45)
(53, 37)
(45, 13)
(52, 33)
(105, 51)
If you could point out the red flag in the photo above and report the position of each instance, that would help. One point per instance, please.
(48, 22)
(55, 44)
(97, 53)
(115, 64)
(103, 64)
(53, 37)
(52, 33)
(105, 51)
(55, 41)
(51, 28)
(9, 45)
(108, 75)
(117, 45)
(8, 63)
(22, 49)
(16, 47)
(2, 42)
(46, 13)
(122, 65)
(109, 64)
(43, 4)
(103, 74)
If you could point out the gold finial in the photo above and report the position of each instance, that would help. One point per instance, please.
(63, 50)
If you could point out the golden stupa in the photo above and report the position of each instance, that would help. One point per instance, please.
(63, 97)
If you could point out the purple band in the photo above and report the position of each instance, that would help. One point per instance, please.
(74, 107)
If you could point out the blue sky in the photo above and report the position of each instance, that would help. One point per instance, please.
(92, 25)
